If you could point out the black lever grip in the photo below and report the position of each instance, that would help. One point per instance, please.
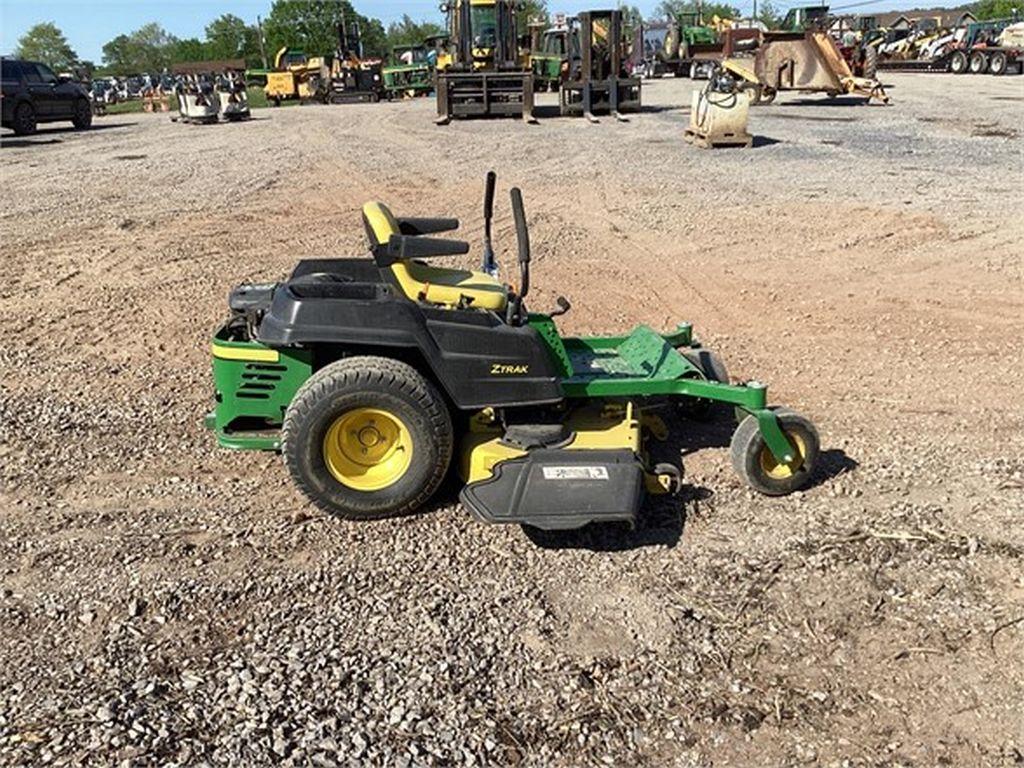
(522, 233)
(492, 183)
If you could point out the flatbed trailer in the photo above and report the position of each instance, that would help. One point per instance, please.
(939, 64)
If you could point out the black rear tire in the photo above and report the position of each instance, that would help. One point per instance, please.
(83, 115)
(997, 64)
(24, 119)
(870, 68)
(958, 63)
(754, 462)
(356, 384)
(978, 63)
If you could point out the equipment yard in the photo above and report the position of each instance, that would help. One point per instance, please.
(164, 601)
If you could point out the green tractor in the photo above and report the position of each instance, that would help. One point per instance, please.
(373, 375)
(550, 51)
(410, 72)
(687, 42)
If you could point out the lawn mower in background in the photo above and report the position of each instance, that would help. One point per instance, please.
(373, 375)
(233, 97)
(198, 102)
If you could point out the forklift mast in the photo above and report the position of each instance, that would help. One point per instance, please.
(597, 79)
(600, 40)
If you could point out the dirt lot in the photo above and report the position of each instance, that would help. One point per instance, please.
(163, 601)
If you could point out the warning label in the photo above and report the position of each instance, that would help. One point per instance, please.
(575, 473)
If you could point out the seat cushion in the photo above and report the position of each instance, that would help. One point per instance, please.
(438, 285)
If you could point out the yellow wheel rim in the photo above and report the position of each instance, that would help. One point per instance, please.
(367, 449)
(778, 470)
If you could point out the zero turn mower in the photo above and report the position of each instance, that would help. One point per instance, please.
(371, 375)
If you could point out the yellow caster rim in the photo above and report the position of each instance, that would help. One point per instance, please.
(778, 470)
(368, 449)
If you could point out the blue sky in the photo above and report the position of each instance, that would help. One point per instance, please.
(88, 25)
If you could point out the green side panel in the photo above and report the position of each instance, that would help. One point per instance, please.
(253, 395)
(408, 77)
(545, 326)
(546, 67)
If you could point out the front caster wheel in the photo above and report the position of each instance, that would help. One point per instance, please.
(367, 437)
(757, 465)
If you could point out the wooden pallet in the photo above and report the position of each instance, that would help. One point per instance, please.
(710, 141)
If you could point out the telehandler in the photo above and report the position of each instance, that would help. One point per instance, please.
(372, 375)
(482, 74)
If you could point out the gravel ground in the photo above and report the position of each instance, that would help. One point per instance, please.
(163, 602)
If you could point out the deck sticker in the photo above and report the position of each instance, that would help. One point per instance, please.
(575, 473)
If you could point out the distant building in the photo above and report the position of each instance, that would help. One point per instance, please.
(942, 17)
(202, 67)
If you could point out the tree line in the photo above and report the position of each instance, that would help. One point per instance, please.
(312, 26)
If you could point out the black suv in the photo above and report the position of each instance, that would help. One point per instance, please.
(32, 94)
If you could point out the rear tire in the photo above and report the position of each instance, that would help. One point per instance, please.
(756, 464)
(870, 68)
(83, 115)
(958, 63)
(997, 64)
(409, 444)
(978, 63)
(24, 119)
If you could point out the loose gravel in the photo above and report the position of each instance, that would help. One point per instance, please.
(163, 602)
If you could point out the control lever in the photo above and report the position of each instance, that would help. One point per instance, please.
(489, 264)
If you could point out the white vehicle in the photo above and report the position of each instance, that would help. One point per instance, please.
(233, 98)
(197, 101)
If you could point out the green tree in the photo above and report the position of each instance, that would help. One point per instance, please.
(46, 43)
(148, 49)
(768, 15)
(997, 9)
(531, 10)
(409, 32)
(229, 37)
(190, 49)
(631, 18)
(672, 8)
(312, 25)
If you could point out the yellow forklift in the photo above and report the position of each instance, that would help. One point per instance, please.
(481, 74)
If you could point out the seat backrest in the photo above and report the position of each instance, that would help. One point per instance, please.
(381, 224)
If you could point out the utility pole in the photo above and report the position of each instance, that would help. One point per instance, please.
(263, 50)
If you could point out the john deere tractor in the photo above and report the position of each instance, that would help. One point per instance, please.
(482, 73)
(550, 52)
(373, 375)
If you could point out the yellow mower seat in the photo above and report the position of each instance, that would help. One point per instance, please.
(438, 285)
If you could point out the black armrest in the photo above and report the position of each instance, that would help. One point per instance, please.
(426, 226)
(402, 247)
